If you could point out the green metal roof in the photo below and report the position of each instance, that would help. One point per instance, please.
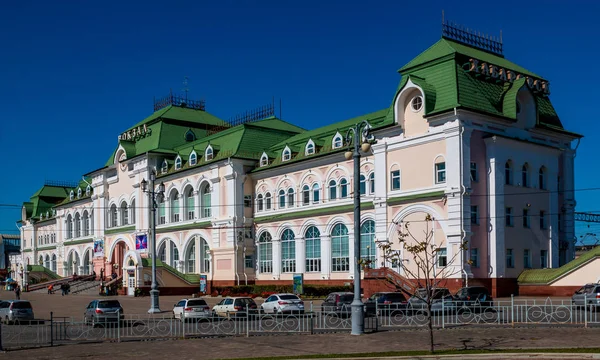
(547, 276)
(181, 114)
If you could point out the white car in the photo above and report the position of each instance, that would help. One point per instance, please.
(280, 303)
(234, 306)
(191, 309)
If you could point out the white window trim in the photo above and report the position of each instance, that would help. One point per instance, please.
(164, 167)
(422, 103)
(286, 155)
(391, 179)
(71, 195)
(79, 191)
(195, 158)
(264, 160)
(310, 142)
(339, 137)
(206, 152)
(178, 162)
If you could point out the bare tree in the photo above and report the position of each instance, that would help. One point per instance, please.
(428, 271)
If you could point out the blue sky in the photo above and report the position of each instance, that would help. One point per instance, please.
(74, 75)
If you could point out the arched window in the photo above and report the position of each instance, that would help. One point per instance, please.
(177, 163)
(190, 203)
(340, 248)
(53, 264)
(305, 195)
(88, 191)
(264, 160)
(363, 184)
(440, 170)
(508, 179)
(343, 188)
(265, 253)
(286, 154)
(165, 167)
(290, 197)
(71, 195)
(204, 256)
(206, 201)
(168, 253)
(372, 183)
(312, 239)
(47, 262)
(310, 148)
(288, 251)
(259, 202)
(332, 190)
(209, 153)
(85, 219)
(190, 136)
(337, 141)
(174, 205)
(316, 191)
(124, 214)
(542, 178)
(367, 242)
(190, 258)
(79, 193)
(268, 201)
(281, 199)
(113, 215)
(162, 212)
(41, 261)
(193, 158)
(86, 263)
(525, 175)
(77, 222)
(132, 212)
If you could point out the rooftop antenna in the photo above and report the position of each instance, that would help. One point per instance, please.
(185, 87)
(442, 16)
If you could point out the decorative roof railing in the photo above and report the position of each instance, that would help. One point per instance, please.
(66, 184)
(259, 113)
(458, 33)
(180, 101)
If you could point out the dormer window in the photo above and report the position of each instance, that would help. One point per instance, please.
(337, 141)
(47, 214)
(209, 153)
(71, 195)
(79, 193)
(416, 103)
(264, 160)
(310, 148)
(190, 136)
(177, 163)
(193, 158)
(165, 167)
(88, 191)
(287, 154)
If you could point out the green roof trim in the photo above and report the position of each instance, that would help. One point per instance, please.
(200, 225)
(509, 105)
(43, 248)
(119, 230)
(27, 250)
(81, 241)
(313, 212)
(547, 276)
(407, 198)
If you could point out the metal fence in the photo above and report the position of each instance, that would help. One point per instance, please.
(60, 331)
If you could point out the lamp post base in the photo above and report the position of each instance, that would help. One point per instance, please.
(358, 317)
(154, 309)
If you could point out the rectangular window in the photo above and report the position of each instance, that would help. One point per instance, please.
(474, 214)
(543, 259)
(313, 254)
(395, 179)
(290, 198)
(542, 219)
(305, 197)
(191, 204)
(161, 214)
(249, 262)
(475, 257)
(526, 223)
(508, 216)
(474, 175)
(440, 173)
(526, 258)
(282, 200)
(510, 261)
(442, 256)
(247, 200)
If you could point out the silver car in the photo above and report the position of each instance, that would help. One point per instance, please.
(103, 311)
(191, 309)
(15, 310)
(589, 294)
(280, 303)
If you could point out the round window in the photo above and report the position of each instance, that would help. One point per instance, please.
(416, 103)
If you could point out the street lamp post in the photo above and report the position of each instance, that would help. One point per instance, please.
(154, 198)
(358, 136)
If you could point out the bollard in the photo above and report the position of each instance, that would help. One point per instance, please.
(443, 314)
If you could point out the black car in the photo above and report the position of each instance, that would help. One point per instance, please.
(473, 297)
(385, 304)
(338, 303)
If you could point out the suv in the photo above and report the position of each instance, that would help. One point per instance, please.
(473, 296)
(338, 303)
(103, 311)
(235, 306)
(589, 294)
(191, 309)
(15, 310)
(385, 303)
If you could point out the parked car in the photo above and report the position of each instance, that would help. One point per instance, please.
(338, 303)
(589, 294)
(103, 311)
(386, 304)
(235, 306)
(417, 304)
(473, 296)
(280, 303)
(191, 309)
(16, 310)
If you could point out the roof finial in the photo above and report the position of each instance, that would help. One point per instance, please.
(185, 87)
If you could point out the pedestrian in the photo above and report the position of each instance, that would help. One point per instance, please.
(50, 287)
(62, 289)
(18, 292)
(102, 274)
(94, 274)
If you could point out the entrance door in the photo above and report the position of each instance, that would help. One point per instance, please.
(131, 285)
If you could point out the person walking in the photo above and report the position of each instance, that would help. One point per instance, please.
(18, 292)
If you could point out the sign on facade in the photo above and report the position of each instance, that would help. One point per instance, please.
(495, 72)
(135, 134)
(141, 243)
(99, 248)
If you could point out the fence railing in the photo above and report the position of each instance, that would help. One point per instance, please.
(62, 331)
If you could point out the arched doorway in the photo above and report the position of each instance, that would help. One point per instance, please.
(197, 256)
(87, 262)
(73, 263)
(132, 272)
(168, 253)
(117, 258)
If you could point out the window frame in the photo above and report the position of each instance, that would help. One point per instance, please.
(473, 172)
(508, 217)
(510, 256)
(475, 212)
(394, 176)
(526, 220)
(440, 172)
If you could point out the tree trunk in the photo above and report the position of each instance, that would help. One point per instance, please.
(430, 326)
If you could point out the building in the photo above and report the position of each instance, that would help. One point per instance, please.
(10, 255)
(469, 138)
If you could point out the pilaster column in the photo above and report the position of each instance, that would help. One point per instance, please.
(300, 255)
(496, 211)
(381, 191)
(276, 258)
(325, 256)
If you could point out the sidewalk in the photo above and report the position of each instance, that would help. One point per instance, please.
(342, 343)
